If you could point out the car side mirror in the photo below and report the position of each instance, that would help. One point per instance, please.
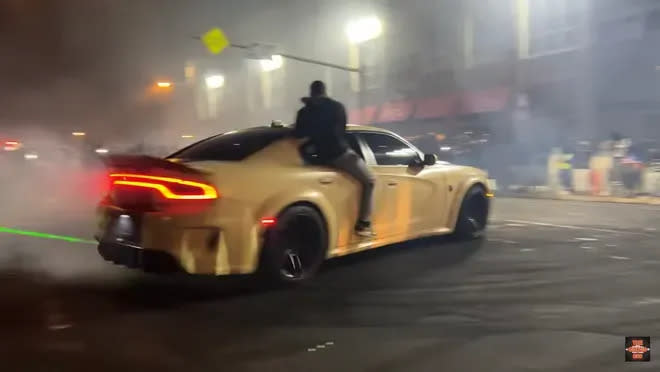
(430, 159)
(415, 162)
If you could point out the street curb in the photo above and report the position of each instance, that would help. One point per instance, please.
(643, 200)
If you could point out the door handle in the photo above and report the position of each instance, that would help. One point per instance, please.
(392, 183)
(326, 180)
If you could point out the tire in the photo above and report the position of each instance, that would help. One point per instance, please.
(295, 247)
(473, 216)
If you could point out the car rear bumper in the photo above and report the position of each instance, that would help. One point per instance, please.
(200, 244)
(134, 257)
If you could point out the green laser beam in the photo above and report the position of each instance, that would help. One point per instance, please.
(36, 234)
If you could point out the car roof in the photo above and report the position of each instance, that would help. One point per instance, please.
(364, 128)
(285, 129)
(349, 127)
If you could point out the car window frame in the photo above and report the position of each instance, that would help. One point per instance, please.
(176, 154)
(367, 155)
(370, 157)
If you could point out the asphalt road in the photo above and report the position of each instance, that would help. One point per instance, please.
(555, 286)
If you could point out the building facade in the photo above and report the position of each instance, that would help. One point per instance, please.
(527, 74)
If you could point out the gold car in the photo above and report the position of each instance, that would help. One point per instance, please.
(252, 201)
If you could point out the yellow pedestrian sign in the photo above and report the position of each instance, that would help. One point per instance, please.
(215, 40)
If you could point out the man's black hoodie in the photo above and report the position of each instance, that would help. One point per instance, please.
(323, 121)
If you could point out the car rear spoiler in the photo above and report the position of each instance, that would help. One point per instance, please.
(147, 165)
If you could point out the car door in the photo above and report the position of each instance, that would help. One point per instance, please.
(413, 194)
(381, 215)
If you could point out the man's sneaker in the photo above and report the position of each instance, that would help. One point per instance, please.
(363, 228)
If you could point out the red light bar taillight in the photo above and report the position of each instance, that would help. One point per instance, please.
(168, 187)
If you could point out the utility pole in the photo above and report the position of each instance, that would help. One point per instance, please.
(585, 102)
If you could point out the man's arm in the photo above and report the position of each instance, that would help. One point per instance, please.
(342, 120)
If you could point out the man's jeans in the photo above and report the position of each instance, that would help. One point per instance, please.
(352, 164)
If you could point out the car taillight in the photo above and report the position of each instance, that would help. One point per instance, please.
(167, 187)
(148, 193)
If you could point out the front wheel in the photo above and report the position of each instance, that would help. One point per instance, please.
(473, 216)
(295, 247)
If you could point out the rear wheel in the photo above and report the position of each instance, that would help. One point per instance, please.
(295, 247)
(473, 216)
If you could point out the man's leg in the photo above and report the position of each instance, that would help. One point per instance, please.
(352, 164)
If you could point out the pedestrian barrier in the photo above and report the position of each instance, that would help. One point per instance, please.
(581, 181)
(651, 183)
(596, 182)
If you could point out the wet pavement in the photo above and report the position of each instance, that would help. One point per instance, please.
(555, 286)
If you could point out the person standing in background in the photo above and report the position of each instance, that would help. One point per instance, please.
(619, 147)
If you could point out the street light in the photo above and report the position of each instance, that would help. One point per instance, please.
(164, 84)
(101, 150)
(364, 29)
(187, 136)
(12, 145)
(358, 32)
(215, 81)
(275, 62)
(78, 134)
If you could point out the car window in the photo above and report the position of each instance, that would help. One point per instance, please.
(389, 150)
(232, 146)
(351, 138)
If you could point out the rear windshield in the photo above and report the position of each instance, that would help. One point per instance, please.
(232, 146)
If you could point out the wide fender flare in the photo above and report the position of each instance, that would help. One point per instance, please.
(461, 189)
(275, 204)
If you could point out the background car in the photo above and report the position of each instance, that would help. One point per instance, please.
(251, 201)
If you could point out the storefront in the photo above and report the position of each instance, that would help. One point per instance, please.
(457, 126)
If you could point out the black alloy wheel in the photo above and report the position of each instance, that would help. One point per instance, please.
(295, 247)
(473, 216)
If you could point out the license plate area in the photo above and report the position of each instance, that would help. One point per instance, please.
(124, 228)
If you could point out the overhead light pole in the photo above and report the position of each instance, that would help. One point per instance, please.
(274, 63)
(358, 32)
(215, 81)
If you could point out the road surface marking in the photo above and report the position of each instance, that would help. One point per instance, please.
(650, 229)
(610, 245)
(587, 239)
(619, 258)
(648, 301)
(586, 247)
(515, 225)
(464, 287)
(327, 344)
(527, 249)
(59, 327)
(579, 228)
(502, 241)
